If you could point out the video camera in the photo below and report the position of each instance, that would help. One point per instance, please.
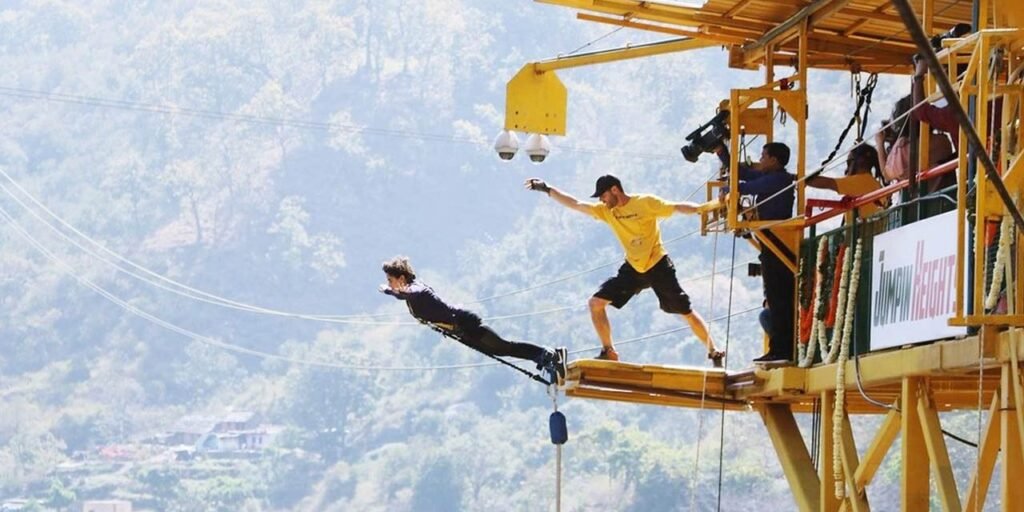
(956, 31)
(702, 141)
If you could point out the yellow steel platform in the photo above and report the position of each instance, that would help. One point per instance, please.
(950, 367)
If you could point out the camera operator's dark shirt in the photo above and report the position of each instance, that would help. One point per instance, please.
(763, 185)
(426, 306)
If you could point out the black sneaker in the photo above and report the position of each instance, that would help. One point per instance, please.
(717, 358)
(561, 362)
(546, 359)
(608, 354)
(774, 358)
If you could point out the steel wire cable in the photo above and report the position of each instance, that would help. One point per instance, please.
(113, 298)
(205, 297)
(155, 108)
(179, 288)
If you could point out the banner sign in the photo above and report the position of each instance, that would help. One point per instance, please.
(913, 290)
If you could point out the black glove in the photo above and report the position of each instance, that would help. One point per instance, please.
(539, 185)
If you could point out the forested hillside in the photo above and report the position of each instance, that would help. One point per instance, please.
(269, 156)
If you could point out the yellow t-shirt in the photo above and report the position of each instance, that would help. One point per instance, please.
(635, 224)
(858, 185)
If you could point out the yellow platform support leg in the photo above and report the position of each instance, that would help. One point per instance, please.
(793, 455)
(913, 481)
(856, 499)
(829, 502)
(1012, 462)
(876, 451)
(974, 501)
(938, 455)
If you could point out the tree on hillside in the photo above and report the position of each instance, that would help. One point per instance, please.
(326, 403)
(439, 489)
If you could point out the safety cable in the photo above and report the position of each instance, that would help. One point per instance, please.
(725, 364)
(869, 399)
(201, 296)
(231, 304)
(155, 108)
(599, 38)
(704, 380)
(206, 297)
(71, 271)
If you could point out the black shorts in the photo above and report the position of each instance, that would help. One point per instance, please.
(661, 277)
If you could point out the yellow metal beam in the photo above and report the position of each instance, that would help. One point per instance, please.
(793, 455)
(807, 16)
(827, 494)
(938, 456)
(1010, 449)
(625, 53)
(876, 451)
(913, 481)
(856, 498)
(651, 398)
(662, 29)
(977, 490)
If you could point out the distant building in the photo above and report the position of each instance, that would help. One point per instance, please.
(107, 506)
(236, 421)
(230, 432)
(190, 429)
(14, 504)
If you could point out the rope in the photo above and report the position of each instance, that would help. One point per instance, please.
(704, 380)
(863, 98)
(728, 327)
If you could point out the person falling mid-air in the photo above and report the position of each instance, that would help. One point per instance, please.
(462, 325)
(634, 220)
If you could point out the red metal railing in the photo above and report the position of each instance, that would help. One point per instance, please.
(846, 204)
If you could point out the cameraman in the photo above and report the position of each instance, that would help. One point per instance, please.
(773, 191)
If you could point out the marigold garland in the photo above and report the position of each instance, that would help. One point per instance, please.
(805, 354)
(844, 354)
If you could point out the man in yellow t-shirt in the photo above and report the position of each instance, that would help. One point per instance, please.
(859, 179)
(634, 220)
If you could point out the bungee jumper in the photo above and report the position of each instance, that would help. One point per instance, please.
(465, 326)
(634, 220)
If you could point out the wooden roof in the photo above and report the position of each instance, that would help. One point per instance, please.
(844, 34)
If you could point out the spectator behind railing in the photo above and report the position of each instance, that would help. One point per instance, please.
(862, 176)
(893, 147)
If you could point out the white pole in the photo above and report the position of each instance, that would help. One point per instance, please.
(558, 478)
